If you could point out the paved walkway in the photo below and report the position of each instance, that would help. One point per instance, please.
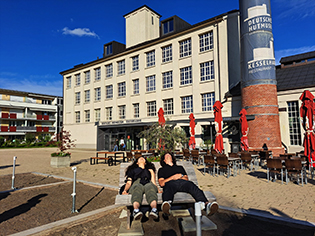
(249, 191)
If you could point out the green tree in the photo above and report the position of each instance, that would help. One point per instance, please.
(29, 137)
(164, 138)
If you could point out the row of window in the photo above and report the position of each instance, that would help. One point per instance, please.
(206, 73)
(207, 100)
(185, 49)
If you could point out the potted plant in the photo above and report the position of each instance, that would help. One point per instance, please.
(62, 157)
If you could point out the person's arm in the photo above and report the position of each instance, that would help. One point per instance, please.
(127, 186)
(162, 181)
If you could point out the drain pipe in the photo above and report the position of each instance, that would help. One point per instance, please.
(74, 193)
(198, 207)
(13, 174)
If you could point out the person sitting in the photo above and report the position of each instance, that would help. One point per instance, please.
(140, 177)
(173, 178)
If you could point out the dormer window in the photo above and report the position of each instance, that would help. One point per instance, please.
(108, 49)
(168, 26)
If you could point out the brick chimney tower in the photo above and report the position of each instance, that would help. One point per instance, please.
(258, 77)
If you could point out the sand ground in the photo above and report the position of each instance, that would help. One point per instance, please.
(249, 190)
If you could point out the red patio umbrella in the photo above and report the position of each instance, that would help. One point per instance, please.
(218, 121)
(162, 124)
(307, 115)
(192, 140)
(244, 138)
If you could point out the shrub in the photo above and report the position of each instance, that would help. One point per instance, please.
(29, 137)
(1, 140)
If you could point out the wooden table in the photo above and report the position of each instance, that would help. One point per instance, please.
(109, 155)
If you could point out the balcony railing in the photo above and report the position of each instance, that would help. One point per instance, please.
(35, 117)
(27, 129)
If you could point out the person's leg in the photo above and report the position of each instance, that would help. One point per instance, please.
(136, 192)
(199, 196)
(151, 196)
(169, 191)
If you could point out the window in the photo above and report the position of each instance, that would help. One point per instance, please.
(87, 115)
(122, 89)
(97, 94)
(121, 67)
(108, 49)
(122, 112)
(87, 96)
(151, 58)
(135, 63)
(167, 79)
(207, 101)
(206, 71)
(109, 70)
(187, 104)
(185, 48)
(77, 117)
(151, 108)
(150, 83)
(167, 54)
(77, 80)
(87, 77)
(185, 75)
(77, 98)
(109, 113)
(168, 106)
(136, 86)
(136, 110)
(168, 26)
(97, 74)
(68, 79)
(109, 91)
(294, 123)
(206, 41)
(97, 115)
(45, 101)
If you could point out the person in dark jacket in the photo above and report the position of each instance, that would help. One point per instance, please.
(140, 177)
(173, 178)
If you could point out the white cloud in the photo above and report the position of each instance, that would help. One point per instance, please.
(79, 32)
(45, 84)
(292, 51)
(296, 9)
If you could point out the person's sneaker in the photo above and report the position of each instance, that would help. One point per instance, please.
(137, 215)
(154, 214)
(166, 206)
(212, 208)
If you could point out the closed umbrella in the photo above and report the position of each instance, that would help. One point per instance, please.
(307, 115)
(244, 125)
(192, 140)
(218, 121)
(162, 124)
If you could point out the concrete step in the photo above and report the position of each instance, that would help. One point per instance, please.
(135, 229)
(189, 225)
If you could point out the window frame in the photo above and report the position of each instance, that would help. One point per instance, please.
(109, 70)
(136, 110)
(122, 89)
(109, 113)
(167, 79)
(205, 41)
(150, 83)
(121, 67)
(207, 101)
(207, 71)
(166, 105)
(135, 63)
(109, 90)
(186, 75)
(97, 73)
(185, 49)
(150, 58)
(87, 115)
(87, 96)
(77, 96)
(87, 77)
(97, 94)
(184, 103)
(122, 112)
(167, 53)
(151, 109)
(136, 86)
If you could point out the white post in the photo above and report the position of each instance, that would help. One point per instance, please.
(13, 174)
(74, 193)
(198, 207)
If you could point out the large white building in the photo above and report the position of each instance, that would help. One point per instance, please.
(171, 64)
(180, 67)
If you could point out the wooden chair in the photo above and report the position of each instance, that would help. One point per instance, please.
(195, 156)
(263, 155)
(209, 161)
(186, 154)
(293, 167)
(274, 166)
(246, 159)
(223, 163)
(129, 157)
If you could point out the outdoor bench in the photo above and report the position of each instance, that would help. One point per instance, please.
(182, 199)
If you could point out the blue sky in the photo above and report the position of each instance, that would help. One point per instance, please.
(41, 38)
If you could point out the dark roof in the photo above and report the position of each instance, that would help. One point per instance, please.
(140, 8)
(294, 77)
(298, 57)
(23, 93)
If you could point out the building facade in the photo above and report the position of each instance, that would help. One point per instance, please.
(23, 112)
(171, 64)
